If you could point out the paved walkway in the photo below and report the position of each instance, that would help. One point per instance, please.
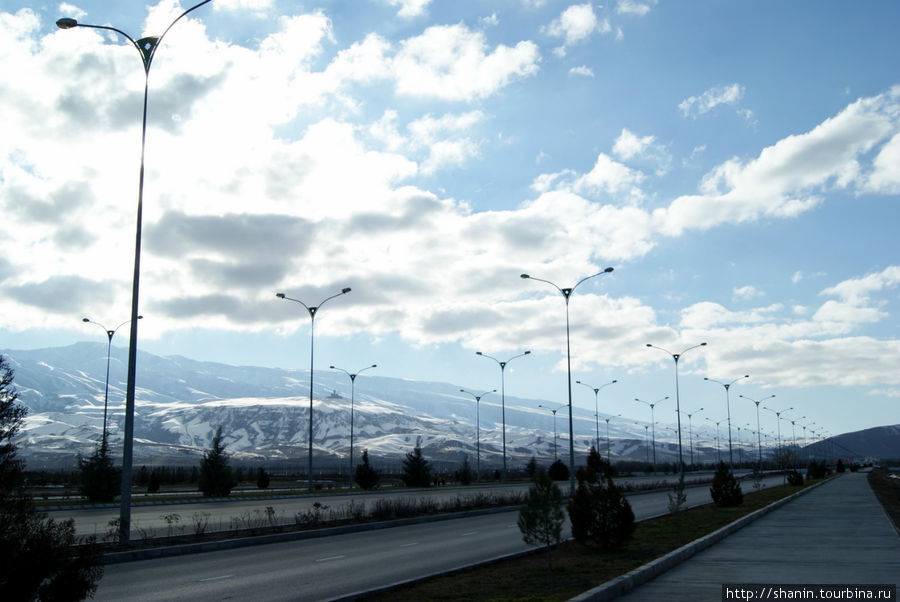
(836, 533)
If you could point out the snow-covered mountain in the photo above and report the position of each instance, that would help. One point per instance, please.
(264, 414)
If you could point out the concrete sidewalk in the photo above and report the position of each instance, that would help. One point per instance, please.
(837, 533)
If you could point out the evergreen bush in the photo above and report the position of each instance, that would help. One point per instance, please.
(599, 512)
(725, 490)
(365, 476)
(416, 469)
(558, 471)
(541, 518)
(100, 480)
(216, 478)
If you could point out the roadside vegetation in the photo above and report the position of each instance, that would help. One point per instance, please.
(887, 490)
(577, 568)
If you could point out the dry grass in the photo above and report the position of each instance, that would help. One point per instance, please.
(576, 568)
(887, 490)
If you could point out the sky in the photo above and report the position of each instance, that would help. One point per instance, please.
(736, 163)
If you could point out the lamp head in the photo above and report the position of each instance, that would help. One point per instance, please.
(332, 367)
(607, 270)
(345, 290)
(66, 23)
(374, 366)
(703, 344)
(478, 353)
(524, 276)
(527, 353)
(85, 319)
(279, 295)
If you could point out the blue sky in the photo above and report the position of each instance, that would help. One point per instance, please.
(737, 163)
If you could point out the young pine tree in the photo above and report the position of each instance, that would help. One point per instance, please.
(37, 560)
(100, 479)
(365, 476)
(216, 478)
(599, 512)
(416, 469)
(541, 518)
(725, 490)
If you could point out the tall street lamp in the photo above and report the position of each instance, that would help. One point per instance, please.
(691, 433)
(778, 414)
(718, 450)
(352, 399)
(147, 48)
(653, 423)
(758, 436)
(646, 440)
(552, 411)
(596, 391)
(313, 310)
(477, 430)
(109, 336)
(676, 357)
(728, 407)
(607, 419)
(503, 395)
(567, 293)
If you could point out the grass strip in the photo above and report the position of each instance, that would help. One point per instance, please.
(576, 568)
(887, 490)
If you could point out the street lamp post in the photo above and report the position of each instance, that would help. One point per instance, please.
(607, 419)
(676, 357)
(778, 414)
(691, 434)
(646, 441)
(653, 424)
(147, 48)
(728, 407)
(477, 430)
(794, 437)
(552, 411)
(596, 391)
(758, 437)
(718, 450)
(567, 293)
(352, 401)
(503, 396)
(313, 311)
(109, 335)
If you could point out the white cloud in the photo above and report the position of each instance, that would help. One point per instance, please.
(746, 292)
(410, 8)
(628, 144)
(631, 7)
(706, 102)
(787, 178)
(575, 25)
(70, 10)
(583, 71)
(453, 63)
(258, 7)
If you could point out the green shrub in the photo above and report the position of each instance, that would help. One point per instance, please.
(558, 471)
(599, 512)
(365, 476)
(725, 490)
(794, 478)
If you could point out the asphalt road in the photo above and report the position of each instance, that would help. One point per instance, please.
(337, 566)
(226, 515)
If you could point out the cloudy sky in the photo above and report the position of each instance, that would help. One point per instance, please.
(737, 163)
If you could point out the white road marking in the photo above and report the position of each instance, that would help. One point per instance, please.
(408, 545)
(330, 558)
(219, 578)
(469, 533)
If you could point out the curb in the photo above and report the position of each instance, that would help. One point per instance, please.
(624, 583)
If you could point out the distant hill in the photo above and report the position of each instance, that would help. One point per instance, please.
(880, 442)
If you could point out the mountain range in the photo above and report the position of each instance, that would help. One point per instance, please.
(264, 415)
